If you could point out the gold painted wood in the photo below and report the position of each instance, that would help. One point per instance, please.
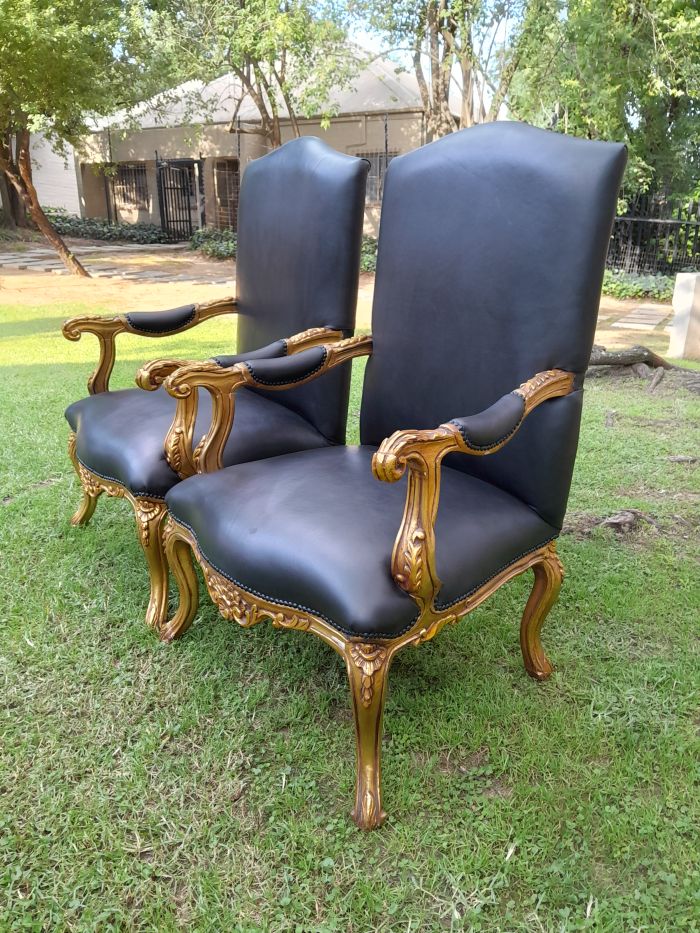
(222, 382)
(367, 662)
(549, 574)
(149, 514)
(313, 337)
(91, 491)
(153, 374)
(421, 452)
(552, 383)
(106, 330)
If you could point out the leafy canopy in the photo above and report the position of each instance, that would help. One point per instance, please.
(62, 61)
(626, 70)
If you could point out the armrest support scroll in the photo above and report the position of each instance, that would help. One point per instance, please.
(421, 452)
(277, 373)
(141, 323)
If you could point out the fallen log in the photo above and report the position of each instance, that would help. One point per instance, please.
(628, 357)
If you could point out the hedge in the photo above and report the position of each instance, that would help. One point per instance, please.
(618, 284)
(96, 228)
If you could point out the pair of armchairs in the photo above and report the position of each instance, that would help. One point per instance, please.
(491, 255)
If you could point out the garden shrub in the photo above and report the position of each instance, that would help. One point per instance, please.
(368, 256)
(97, 228)
(216, 244)
(618, 284)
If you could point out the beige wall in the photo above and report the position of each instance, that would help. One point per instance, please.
(94, 202)
(351, 134)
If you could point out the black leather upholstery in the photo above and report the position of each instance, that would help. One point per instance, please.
(300, 224)
(316, 530)
(160, 322)
(490, 263)
(119, 435)
(299, 234)
(491, 427)
(271, 351)
(491, 255)
(287, 370)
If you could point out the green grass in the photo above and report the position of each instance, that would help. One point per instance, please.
(207, 785)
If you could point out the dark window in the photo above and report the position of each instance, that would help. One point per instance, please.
(378, 164)
(131, 187)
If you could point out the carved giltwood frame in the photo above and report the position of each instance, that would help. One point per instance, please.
(184, 382)
(413, 569)
(149, 515)
(106, 330)
(150, 512)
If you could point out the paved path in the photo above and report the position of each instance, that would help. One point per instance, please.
(646, 317)
(98, 260)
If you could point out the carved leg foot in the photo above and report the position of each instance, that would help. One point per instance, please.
(548, 576)
(179, 557)
(149, 521)
(91, 491)
(86, 509)
(368, 666)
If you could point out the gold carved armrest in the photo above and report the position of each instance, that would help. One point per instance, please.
(141, 323)
(422, 452)
(153, 374)
(222, 383)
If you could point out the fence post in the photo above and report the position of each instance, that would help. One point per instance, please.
(685, 329)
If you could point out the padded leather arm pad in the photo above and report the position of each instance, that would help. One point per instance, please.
(144, 323)
(491, 427)
(161, 322)
(271, 351)
(286, 371)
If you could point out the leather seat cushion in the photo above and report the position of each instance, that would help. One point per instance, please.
(315, 530)
(120, 435)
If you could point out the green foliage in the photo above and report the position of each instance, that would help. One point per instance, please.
(619, 284)
(61, 63)
(216, 244)
(368, 256)
(95, 228)
(622, 71)
(287, 57)
(206, 785)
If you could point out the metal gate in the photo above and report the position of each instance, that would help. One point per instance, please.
(180, 196)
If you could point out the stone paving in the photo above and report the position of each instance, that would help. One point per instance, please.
(646, 317)
(98, 259)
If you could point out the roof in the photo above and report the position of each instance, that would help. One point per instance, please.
(380, 87)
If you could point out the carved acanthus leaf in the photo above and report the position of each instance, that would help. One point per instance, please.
(369, 659)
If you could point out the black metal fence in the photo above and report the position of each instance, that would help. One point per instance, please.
(656, 236)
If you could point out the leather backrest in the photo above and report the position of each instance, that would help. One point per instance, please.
(299, 233)
(491, 254)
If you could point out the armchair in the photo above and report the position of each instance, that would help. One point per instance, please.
(485, 301)
(300, 225)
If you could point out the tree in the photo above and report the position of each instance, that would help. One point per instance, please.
(59, 64)
(465, 53)
(288, 56)
(627, 70)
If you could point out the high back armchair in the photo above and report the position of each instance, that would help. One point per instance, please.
(300, 226)
(491, 256)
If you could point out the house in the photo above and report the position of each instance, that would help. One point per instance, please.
(54, 175)
(179, 163)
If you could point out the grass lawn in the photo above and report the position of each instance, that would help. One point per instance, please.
(207, 785)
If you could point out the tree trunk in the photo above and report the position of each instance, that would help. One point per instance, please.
(8, 218)
(629, 356)
(18, 171)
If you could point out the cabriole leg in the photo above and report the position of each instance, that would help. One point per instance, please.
(149, 522)
(548, 576)
(91, 491)
(179, 558)
(368, 666)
